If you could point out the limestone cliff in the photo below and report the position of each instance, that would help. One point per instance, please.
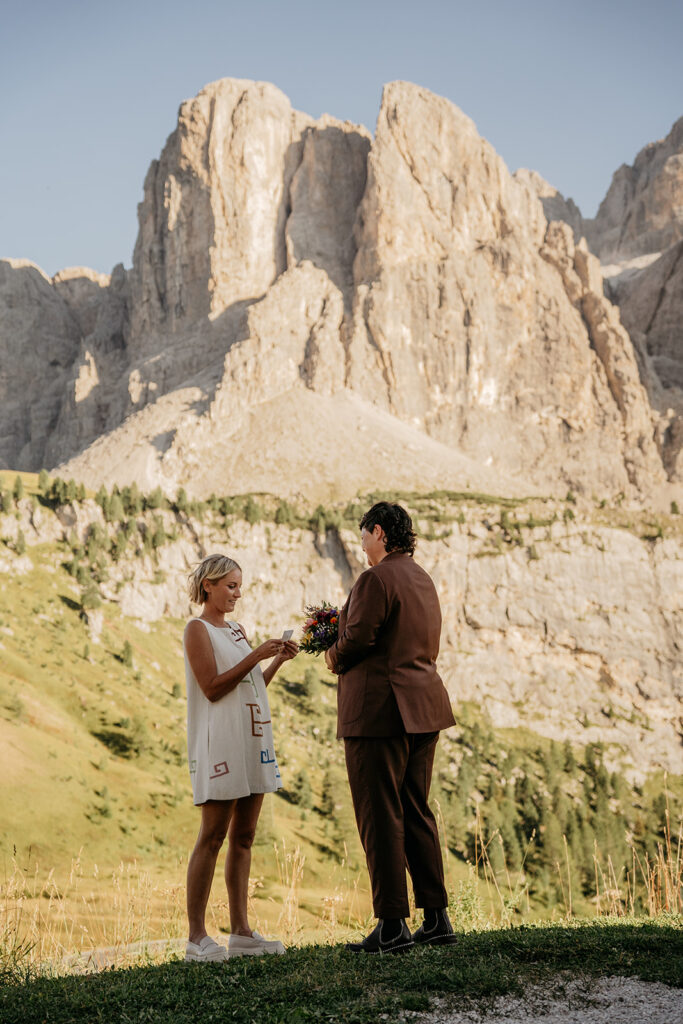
(638, 236)
(642, 212)
(295, 279)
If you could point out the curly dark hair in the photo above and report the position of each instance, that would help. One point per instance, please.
(396, 523)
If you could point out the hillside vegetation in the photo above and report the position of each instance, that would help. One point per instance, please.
(96, 819)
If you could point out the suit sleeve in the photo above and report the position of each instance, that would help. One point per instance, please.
(366, 614)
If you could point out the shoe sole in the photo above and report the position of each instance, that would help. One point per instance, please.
(403, 948)
(215, 959)
(255, 952)
(439, 940)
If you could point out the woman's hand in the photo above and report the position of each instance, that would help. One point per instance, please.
(270, 649)
(285, 650)
(328, 660)
(290, 649)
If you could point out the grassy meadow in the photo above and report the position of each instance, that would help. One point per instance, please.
(96, 816)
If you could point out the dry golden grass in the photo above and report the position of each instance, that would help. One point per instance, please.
(130, 917)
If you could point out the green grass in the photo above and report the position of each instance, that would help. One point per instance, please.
(328, 984)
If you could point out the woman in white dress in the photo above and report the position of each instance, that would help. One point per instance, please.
(230, 750)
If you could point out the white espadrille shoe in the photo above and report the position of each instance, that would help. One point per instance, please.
(207, 950)
(253, 945)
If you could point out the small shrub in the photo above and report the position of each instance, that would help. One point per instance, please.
(300, 792)
(283, 514)
(14, 704)
(155, 499)
(90, 599)
(253, 513)
(159, 535)
(127, 654)
(18, 490)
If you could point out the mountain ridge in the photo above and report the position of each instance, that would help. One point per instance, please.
(279, 255)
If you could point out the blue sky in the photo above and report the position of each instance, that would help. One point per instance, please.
(90, 91)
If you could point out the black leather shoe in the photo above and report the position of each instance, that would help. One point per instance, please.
(440, 934)
(374, 943)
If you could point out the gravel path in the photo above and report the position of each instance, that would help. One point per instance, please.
(573, 1001)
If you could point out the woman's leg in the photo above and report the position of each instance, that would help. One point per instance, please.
(201, 866)
(238, 861)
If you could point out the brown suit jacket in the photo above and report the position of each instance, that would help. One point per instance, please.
(385, 654)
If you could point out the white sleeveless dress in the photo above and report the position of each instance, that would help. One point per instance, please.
(230, 741)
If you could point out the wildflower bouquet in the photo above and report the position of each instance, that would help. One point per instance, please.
(320, 628)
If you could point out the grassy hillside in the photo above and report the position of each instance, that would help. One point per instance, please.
(96, 819)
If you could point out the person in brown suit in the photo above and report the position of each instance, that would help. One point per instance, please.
(391, 704)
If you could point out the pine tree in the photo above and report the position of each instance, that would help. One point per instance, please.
(43, 481)
(283, 514)
(494, 848)
(127, 654)
(119, 545)
(132, 500)
(181, 500)
(115, 512)
(508, 832)
(552, 844)
(18, 490)
(301, 792)
(252, 511)
(159, 535)
(155, 499)
(327, 795)
(90, 598)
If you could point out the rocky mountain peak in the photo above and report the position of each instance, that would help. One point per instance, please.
(642, 212)
(285, 264)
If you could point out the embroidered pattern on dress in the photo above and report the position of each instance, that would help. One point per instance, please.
(257, 723)
(220, 769)
(266, 758)
(237, 633)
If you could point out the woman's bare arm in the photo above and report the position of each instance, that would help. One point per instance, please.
(203, 662)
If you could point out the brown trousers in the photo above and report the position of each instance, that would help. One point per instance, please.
(389, 778)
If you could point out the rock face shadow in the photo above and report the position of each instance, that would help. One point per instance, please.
(322, 201)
